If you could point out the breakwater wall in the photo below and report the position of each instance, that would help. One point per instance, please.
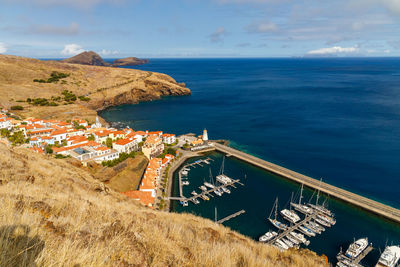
(357, 200)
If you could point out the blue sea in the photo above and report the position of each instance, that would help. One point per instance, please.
(335, 119)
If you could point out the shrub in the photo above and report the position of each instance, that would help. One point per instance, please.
(84, 98)
(17, 108)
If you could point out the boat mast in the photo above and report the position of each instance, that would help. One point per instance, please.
(269, 217)
(215, 214)
(316, 202)
(221, 171)
(301, 194)
(276, 208)
(211, 177)
(291, 200)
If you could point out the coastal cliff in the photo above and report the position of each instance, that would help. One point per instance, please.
(55, 213)
(95, 87)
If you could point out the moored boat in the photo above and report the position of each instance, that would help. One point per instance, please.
(306, 231)
(390, 257)
(267, 236)
(278, 224)
(356, 248)
(290, 215)
(300, 237)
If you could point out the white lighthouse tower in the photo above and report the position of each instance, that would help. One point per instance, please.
(205, 136)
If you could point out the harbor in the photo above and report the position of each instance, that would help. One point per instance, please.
(256, 197)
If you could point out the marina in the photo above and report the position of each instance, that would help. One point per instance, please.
(354, 254)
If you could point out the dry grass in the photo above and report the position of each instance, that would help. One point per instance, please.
(106, 86)
(53, 214)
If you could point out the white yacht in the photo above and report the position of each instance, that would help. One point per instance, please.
(290, 215)
(204, 197)
(217, 192)
(317, 226)
(322, 222)
(194, 193)
(356, 248)
(185, 183)
(326, 218)
(226, 190)
(287, 242)
(267, 236)
(278, 224)
(312, 228)
(209, 185)
(300, 237)
(306, 231)
(195, 201)
(390, 257)
(300, 207)
(203, 188)
(292, 239)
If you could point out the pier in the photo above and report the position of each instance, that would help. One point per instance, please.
(204, 193)
(293, 227)
(357, 200)
(227, 218)
(355, 262)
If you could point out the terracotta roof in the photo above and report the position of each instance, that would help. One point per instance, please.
(123, 142)
(102, 133)
(102, 148)
(143, 197)
(153, 139)
(57, 132)
(37, 149)
(168, 135)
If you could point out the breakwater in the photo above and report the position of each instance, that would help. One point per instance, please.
(357, 200)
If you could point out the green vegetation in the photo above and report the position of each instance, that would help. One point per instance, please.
(41, 102)
(109, 142)
(84, 98)
(55, 76)
(77, 126)
(17, 138)
(91, 137)
(48, 150)
(122, 157)
(60, 156)
(17, 108)
(4, 133)
(68, 96)
(168, 150)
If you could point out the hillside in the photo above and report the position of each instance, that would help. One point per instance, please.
(55, 214)
(94, 87)
(87, 58)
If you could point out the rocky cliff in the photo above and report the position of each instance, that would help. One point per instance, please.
(87, 58)
(95, 87)
(129, 61)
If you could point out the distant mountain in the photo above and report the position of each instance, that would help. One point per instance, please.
(130, 61)
(87, 58)
(92, 58)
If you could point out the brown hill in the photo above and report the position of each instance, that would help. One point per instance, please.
(129, 61)
(55, 214)
(87, 58)
(99, 87)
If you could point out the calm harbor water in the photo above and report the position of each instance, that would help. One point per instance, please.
(332, 118)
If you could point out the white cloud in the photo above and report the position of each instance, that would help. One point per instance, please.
(262, 27)
(333, 51)
(218, 35)
(3, 48)
(72, 50)
(392, 5)
(105, 52)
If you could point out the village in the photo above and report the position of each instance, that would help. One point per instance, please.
(77, 138)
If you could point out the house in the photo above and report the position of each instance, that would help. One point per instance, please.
(117, 135)
(37, 150)
(80, 122)
(156, 133)
(59, 135)
(153, 146)
(169, 139)
(5, 122)
(126, 145)
(101, 136)
(143, 197)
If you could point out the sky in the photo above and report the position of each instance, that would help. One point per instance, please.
(200, 28)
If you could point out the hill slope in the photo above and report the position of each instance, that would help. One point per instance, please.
(102, 87)
(55, 214)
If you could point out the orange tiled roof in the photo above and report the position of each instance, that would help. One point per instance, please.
(57, 132)
(123, 142)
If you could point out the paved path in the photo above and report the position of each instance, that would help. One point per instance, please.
(357, 200)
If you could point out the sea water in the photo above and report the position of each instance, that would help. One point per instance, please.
(335, 119)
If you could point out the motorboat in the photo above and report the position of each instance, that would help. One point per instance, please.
(217, 192)
(203, 188)
(204, 197)
(280, 244)
(185, 183)
(226, 190)
(356, 248)
(195, 201)
(300, 237)
(290, 215)
(312, 228)
(326, 218)
(306, 231)
(322, 222)
(316, 225)
(287, 242)
(209, 185)
(293, 240)
(267, 236)
(194, 193)
(390, 257)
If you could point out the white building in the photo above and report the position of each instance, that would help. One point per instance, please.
(126, 145)
(169, 139)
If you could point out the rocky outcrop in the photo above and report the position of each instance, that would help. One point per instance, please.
(129, 61)
(94, 59)
(87, 58)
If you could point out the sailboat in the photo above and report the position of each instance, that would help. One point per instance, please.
(289, 214)
(320, 208)
(274, 221)
(301, 207)
(221, 177)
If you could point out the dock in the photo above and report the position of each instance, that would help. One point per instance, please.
(204, 193)
(347, 196)
(355, 262)
(227, 218)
